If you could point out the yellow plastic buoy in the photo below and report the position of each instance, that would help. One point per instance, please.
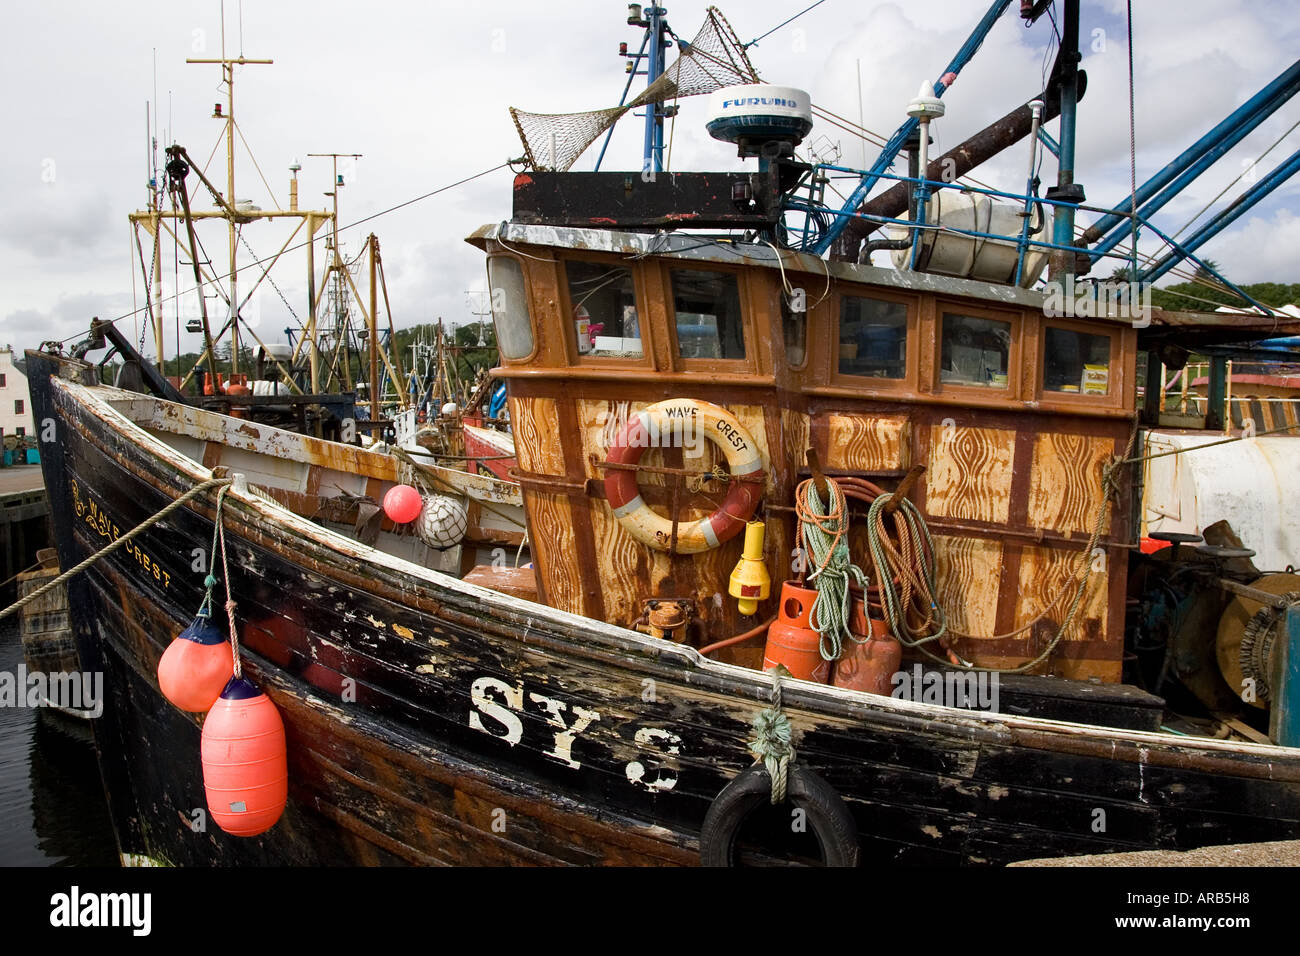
(750, 581)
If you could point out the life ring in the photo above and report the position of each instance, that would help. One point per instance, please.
(824, 812)
(679, 421)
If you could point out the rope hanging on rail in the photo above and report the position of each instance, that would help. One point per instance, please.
(109, 549)
(823, 531)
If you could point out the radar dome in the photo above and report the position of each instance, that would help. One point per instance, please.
(755, 114)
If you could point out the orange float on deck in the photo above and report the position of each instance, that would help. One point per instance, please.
(245, 770)
(196, 666)
(792, 641)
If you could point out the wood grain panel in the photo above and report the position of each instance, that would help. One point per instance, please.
(1044, 574)
(624, 568)
(536, 424)
(599, 423)
(551, 536)
(966, 570)
(970, 472)
(794, 436)
(867, 443)
(1065, 485)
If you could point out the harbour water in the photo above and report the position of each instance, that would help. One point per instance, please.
(52, 805)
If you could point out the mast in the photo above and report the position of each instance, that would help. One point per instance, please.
(157, 221)
(228, 77)
(372, 244)
(1061, 262)
(654, 20)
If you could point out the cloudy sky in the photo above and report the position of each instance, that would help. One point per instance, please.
(421, 90)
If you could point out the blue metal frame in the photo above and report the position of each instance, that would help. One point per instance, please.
(653, 158)
(1023, 244)
(895, 145)
(623, 99)
(1187, 166)
(1052, 145)
(1284, 682)
(1226, 217)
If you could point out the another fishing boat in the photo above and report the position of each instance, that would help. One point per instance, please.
(913, 491)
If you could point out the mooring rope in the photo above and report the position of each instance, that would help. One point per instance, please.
(823, 528)
(104, 552)
(772, 741)
(219, 538)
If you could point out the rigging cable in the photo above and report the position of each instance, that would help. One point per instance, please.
(1247, 169)
(754, 42)
(305, 242)
(1132, 151)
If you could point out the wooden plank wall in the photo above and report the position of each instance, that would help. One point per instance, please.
(1011, 493)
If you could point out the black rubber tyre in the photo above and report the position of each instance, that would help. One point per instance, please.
(826, 814)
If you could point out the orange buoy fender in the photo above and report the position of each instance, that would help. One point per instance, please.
(196, 666)
(245, 770)
(791, 639)
(675, 423)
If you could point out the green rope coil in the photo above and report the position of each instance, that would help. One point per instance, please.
(827, 537)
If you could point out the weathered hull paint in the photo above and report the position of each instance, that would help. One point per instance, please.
(433, 722)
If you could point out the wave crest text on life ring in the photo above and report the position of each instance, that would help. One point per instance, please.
(679, 422)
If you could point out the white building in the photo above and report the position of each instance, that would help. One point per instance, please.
(15, 403)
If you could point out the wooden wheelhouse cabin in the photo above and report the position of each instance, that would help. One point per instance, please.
(1012, 413)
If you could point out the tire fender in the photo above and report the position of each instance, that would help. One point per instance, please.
(827, 816)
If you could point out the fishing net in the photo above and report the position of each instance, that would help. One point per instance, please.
(713, 60)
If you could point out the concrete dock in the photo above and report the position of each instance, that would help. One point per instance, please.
(24, 522)
(1277, 853)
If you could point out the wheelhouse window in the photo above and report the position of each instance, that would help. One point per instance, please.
(974, 351)
(510, 315)
(707, 310)
(1076, 363)
(603, 300)
(873, 338)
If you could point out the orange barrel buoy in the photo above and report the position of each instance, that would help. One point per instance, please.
(792, 641)
(871, 665)
(196, 666)
(245, 771)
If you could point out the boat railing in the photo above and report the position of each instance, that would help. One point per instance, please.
(804, 235)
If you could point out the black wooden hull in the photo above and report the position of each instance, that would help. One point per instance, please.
(429, 721)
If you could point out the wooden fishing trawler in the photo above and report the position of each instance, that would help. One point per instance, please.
(693, 488)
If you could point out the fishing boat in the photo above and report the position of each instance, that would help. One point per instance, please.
(877, 527)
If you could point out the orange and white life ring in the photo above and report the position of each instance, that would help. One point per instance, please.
(679, 422)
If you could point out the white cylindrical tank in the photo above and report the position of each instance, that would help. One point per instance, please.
(973, 257)
(1246, 483)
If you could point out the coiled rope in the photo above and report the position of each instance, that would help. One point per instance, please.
(823, 531)
(912, 563)
(104, 552)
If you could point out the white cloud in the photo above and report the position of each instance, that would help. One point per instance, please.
(422, 90)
